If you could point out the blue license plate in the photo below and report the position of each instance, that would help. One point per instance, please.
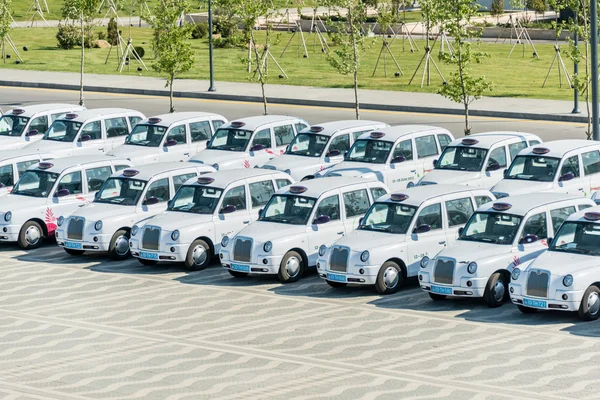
(336, 277)
(240, 267)
(534, 303)
(441, 290)
(73, 245)
(148, 255)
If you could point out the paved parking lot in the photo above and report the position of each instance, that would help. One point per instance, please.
(79, 328)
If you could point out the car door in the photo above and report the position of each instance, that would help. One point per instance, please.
(68, 193)
(427, 152)
(200, 134)
(591, 169)
(330, 232)
(21, 166)
(570, 178)
(459, 209)
(283, 135)
(117, 130)
(154, 200)
(423, 242)
(261, 148)
(228, 224)
(337, 148)
(90, 139)
(523, 250)
(96, 176)
(496, 163)
(356, 203)
(403, 167)
(175, 146)
(261, 190)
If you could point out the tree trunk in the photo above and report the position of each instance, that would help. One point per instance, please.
(171, 106)
(3, 50)
(355, 53)
(260, 65)
(81, 102)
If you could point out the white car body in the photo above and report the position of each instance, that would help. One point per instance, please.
(411, 153)
(45, 209)
(88, 132)
(342, 261)
(565, 278)
(34, 121)
(577, 171)
(174, 137)
(245, 252)
(530, 219)
(78, 231)
(336, 138)
(479, 160)
(250, 142)
(14, 163)
(210, 227)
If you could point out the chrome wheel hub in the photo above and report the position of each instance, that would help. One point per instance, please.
(122, 245)
(593, 303)
(33, 235)
(199, 255)
(390, 277)
(292, 266)
(499, 291)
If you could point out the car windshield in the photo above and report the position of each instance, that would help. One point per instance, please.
(370, 151)
(308, 145)
(122, 191)
(35, 183)
(196, 199)
(146, 135)
(462, 159)
(284, 209)
(388, 217)
(230, 139)
(533, 168)
(491, 227)
(12, 125)
(578, 238)
(63, 131)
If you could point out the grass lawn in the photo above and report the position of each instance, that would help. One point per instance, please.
(517, 76)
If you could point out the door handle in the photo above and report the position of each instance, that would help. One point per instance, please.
(413, 170)
(102, 149)
(246, 222)
(580, 189)
(340, 233)
(442, 242)
(186, 154)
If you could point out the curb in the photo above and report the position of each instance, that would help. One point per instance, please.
(306, 102)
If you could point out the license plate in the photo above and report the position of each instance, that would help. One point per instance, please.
(336, 277)
(148, 256)
(441, 290)
(73, 245)
(240, 267)
(534, 303)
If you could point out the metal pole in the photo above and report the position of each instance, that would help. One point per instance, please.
(594, 50)
(576, 109)
(210, 48)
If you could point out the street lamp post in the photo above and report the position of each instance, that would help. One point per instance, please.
(594, 51)
(211, 88)
(576, 72)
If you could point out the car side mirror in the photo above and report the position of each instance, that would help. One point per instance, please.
(435, 163)
(97, 195)
(169, 203)
(505, 172)
(360, 221)
(228, 209)
(85, 138)
(32, 132)
(150, 201)
(566, 177)
(460, 230)
(322, 219)
(398, 159)
(422, 229)
(170, 142)
(549, 240)
(260, 212)
(334, 153)
(257, 147)
(62, 193)
(494, 166)
(528, 239)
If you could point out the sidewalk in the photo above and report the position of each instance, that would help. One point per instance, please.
(547, 110)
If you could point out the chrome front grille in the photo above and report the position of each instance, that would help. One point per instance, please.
(339, 259)
(537, 283)
(151, 238)
(242, 249)
(444, 271)
(75, 228)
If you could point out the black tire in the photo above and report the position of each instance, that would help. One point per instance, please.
(191, 260)
(588, 309)
(23, 241)
(496, 290)
(74, 252)
(389, 278)
(116, 252)
(287, 272)
(437, 297)
(527, 310)
(147, 262)
(238, 274)
(337, 285)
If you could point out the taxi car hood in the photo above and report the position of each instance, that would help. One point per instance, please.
(172, 220)
(354, 169)
(447, 176)
(361, 240)
(288, 161)
(133, 152)
(221, 157)
(469, 251)
(265, 231)
(49, 146)
(5, 190)
(18, 204)
(516, 187)
(14, 142)
(560, 263)
(104, 212)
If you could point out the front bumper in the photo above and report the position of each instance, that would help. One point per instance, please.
(9, 233)
(168, 252)
(352, 275)
(468, 287)
(564, 300)
(91, 241)
(259, 264)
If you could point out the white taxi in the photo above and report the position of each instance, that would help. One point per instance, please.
(250, 142)
(480, 159)
(50, 189)
(321, 146)
(563, 166)
(169, 137)
(396, 233)
(566, 276)
(94, 131)
(24, 125)
(295, 222)
(128, 196)
(14, 163)
(397, 156)
(498, 237)
(203, 211)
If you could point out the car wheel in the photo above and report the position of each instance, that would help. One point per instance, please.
(334, 284)
(527, 310)
(119, 245)
(589, 309)
(238, 274)
(437, 297)
(74, 252)
(198, 256)
(147, 262)
(291, 268)
(30, 236)
(389, 279)
(496, 290)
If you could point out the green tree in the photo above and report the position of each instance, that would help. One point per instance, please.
(173, 53)
(462, 87)
(497, 9)
(5, 20)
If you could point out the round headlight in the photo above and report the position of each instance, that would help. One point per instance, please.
(8, 216)
(175, 235)
(364, 256)
(287, 171)
(568, 280)
(134, 230)
(472, 267)
(322, 250)
(225, 241)
(216, 166)
(268, 246)
(424, 262)
(515, 274)
(98, 225)
(60, 220)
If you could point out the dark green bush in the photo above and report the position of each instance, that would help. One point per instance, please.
(200, 31)
(226, 27)
(68, 36)
(112, 32)
(140, 52)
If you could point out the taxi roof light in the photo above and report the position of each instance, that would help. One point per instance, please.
(540, 150)
(238, 124)
(18, 111)
(501, 206)
(317, 129)
(130, 172)
(71, 116)
(377, 135)
(298, 189)
(45, 165)
(205, 180)
(592, 216)
(398, 197)
(154, 120)
(469, 142)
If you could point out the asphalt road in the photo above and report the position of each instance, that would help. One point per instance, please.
(151, 105)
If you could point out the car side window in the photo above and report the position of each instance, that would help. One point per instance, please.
(459, 211)
(261, 192)
(217, 123)
(39, 124)
(560, 215)
(23, 165)
(200, 131)
(262, 137)
(283, 135)
(403, 149)
(116, 127)
(93, 130)
(159, 189)
(72, 182)
(120, 167)
(178, 134)
(330, 206)
(536, 225)
(377, 192)
(56, 116)
(299, 126)
(480, 200)
(134, 120)
(356, 135)
(179, 180)
(534, 143)
(444, 141)
(6, 175)
(236, 197)
(282, 182)
(340, 143)
(356, 202)
(583, 206)
(591, 162)
(498, 155)
(432, 216)
(571, 165)
(426, 146)
(515, 148)
(96, 177)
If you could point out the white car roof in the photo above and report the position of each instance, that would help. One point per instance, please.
(488, 139)
(19, 153)
(417, 195)
(580, 215)
(393, 133)
(331, 128)
(559, 148)
(61, 164)
(147, 171)
(30, 111)
(253, 123)
(224, 178)
(522, 204)
(172, 118)
(316, 187)
(84, 115)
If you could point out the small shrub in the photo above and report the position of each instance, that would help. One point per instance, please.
(224, 26)
(101, 36)
(227, 42)
(200, 31)
(68, 36)
(140, 52)
(112, 32)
